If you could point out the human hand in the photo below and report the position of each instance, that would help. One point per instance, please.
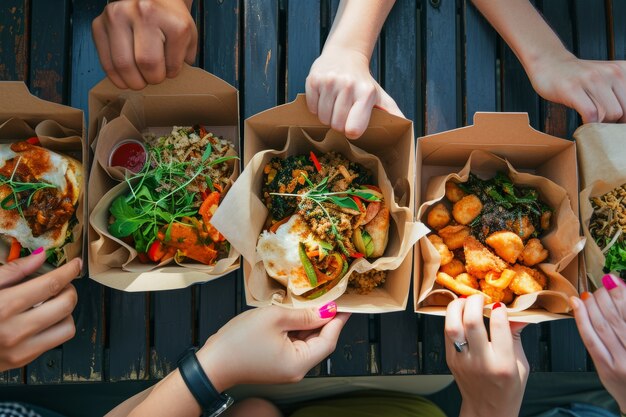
(342, 92)
(141, 42)
(601, 321)
(595, 89)
(26, 331)
(491, 375)
(271, 345)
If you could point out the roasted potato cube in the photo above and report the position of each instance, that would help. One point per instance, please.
(453, 236)
(527, 280)
(438, 216)
(444, 252)
(467, 209)
(507, 245)
(453, 268)
(533, 253)
(454, 192)
(545, 219)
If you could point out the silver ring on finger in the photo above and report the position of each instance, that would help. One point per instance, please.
(459, 345)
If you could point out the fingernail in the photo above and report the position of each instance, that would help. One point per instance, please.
(584, 295)
(329, 310)
(608, 282)
(462, 296)
(37, 251)
(496, 305)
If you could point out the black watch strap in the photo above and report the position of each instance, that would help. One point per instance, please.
(200, 386)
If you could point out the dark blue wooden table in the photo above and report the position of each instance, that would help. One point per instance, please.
(439, 59)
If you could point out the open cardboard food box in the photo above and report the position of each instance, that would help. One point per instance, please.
(60, 129)
(194, 97)
(506, 137)
(291, 129)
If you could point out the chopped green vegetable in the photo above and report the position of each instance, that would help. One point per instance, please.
(308, 266)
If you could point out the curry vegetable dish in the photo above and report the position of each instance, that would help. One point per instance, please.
(487, 235)
(324, 213)
(608, 228)
(39, 192)
(167, 212)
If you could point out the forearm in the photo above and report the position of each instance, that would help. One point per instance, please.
(357, 26)
(523, 29)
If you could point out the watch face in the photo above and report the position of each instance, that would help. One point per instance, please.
(223, 407)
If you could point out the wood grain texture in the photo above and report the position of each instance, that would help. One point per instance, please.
(535, 347)
(14, 40)
(86, 70)
(399, 331)
(303, 42)
(173, 324)
(47, 369)
(480, 63)
(260, 56)
(221, 41)
(591, 29)
(128, 336)
(352, 355)
(217, 305)
(49, 49)
(619, 28)
(441, 98)
(567, 351)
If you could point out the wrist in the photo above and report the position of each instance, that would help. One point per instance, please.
(218, 375)
(537, 61)
(346, 51)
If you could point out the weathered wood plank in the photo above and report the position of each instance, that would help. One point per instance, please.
(590, 24)
(433, 345)
(221, 42)
(217, 305)
(535, 347)
(83, 355)
(47, 369)
(85, 66)
(480, 63)
(398, 331)
(559, 120)
(352, 355)
(128, 336)
(441, 95)
(14, 40)
(567, 352)
(619, 29)
(173, 324)
(49, 49)
(303, 42)
(260, 56)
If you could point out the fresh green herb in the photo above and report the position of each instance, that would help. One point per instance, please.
(13, 201)
(616, 257)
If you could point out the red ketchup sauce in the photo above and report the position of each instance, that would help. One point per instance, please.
(130, 155)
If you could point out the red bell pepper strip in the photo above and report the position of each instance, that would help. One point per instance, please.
(316, 162)
(156, 251)
(357, 255)
(14, 253)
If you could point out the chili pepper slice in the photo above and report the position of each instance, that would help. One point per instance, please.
(316, 162)
(14, 253)
(156, 251)
(308, 266)
(357, 255)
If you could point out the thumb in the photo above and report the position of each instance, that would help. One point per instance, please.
(17, 270)
(386, 103)
(307, 318)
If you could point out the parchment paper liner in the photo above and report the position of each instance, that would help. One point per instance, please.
(111, 252)
(243, 216)
(563, 241)
(64, 141)
(602, 161)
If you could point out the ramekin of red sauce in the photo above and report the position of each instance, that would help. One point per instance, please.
(129, 154)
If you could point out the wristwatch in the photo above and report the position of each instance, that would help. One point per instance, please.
(212, 402)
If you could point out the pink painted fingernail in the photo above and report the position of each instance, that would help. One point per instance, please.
(329, 310)
(496, 305)
(37, 251)
(609, 282)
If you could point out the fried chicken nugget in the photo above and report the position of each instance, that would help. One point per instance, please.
(453, 236)
(533, 253)
(523, 230)
(507, 245)
(438, 216)
(454, 192)
(467, 209)
(503, 295)
(479, 260)
(458, 287)
(444, 252)
(527, 280)
(467, 279)
(453, 268)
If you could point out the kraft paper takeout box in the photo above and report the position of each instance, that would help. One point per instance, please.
(510, 137)
(388, 137)
(602, 164)
(61, 129)
(194, 97)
